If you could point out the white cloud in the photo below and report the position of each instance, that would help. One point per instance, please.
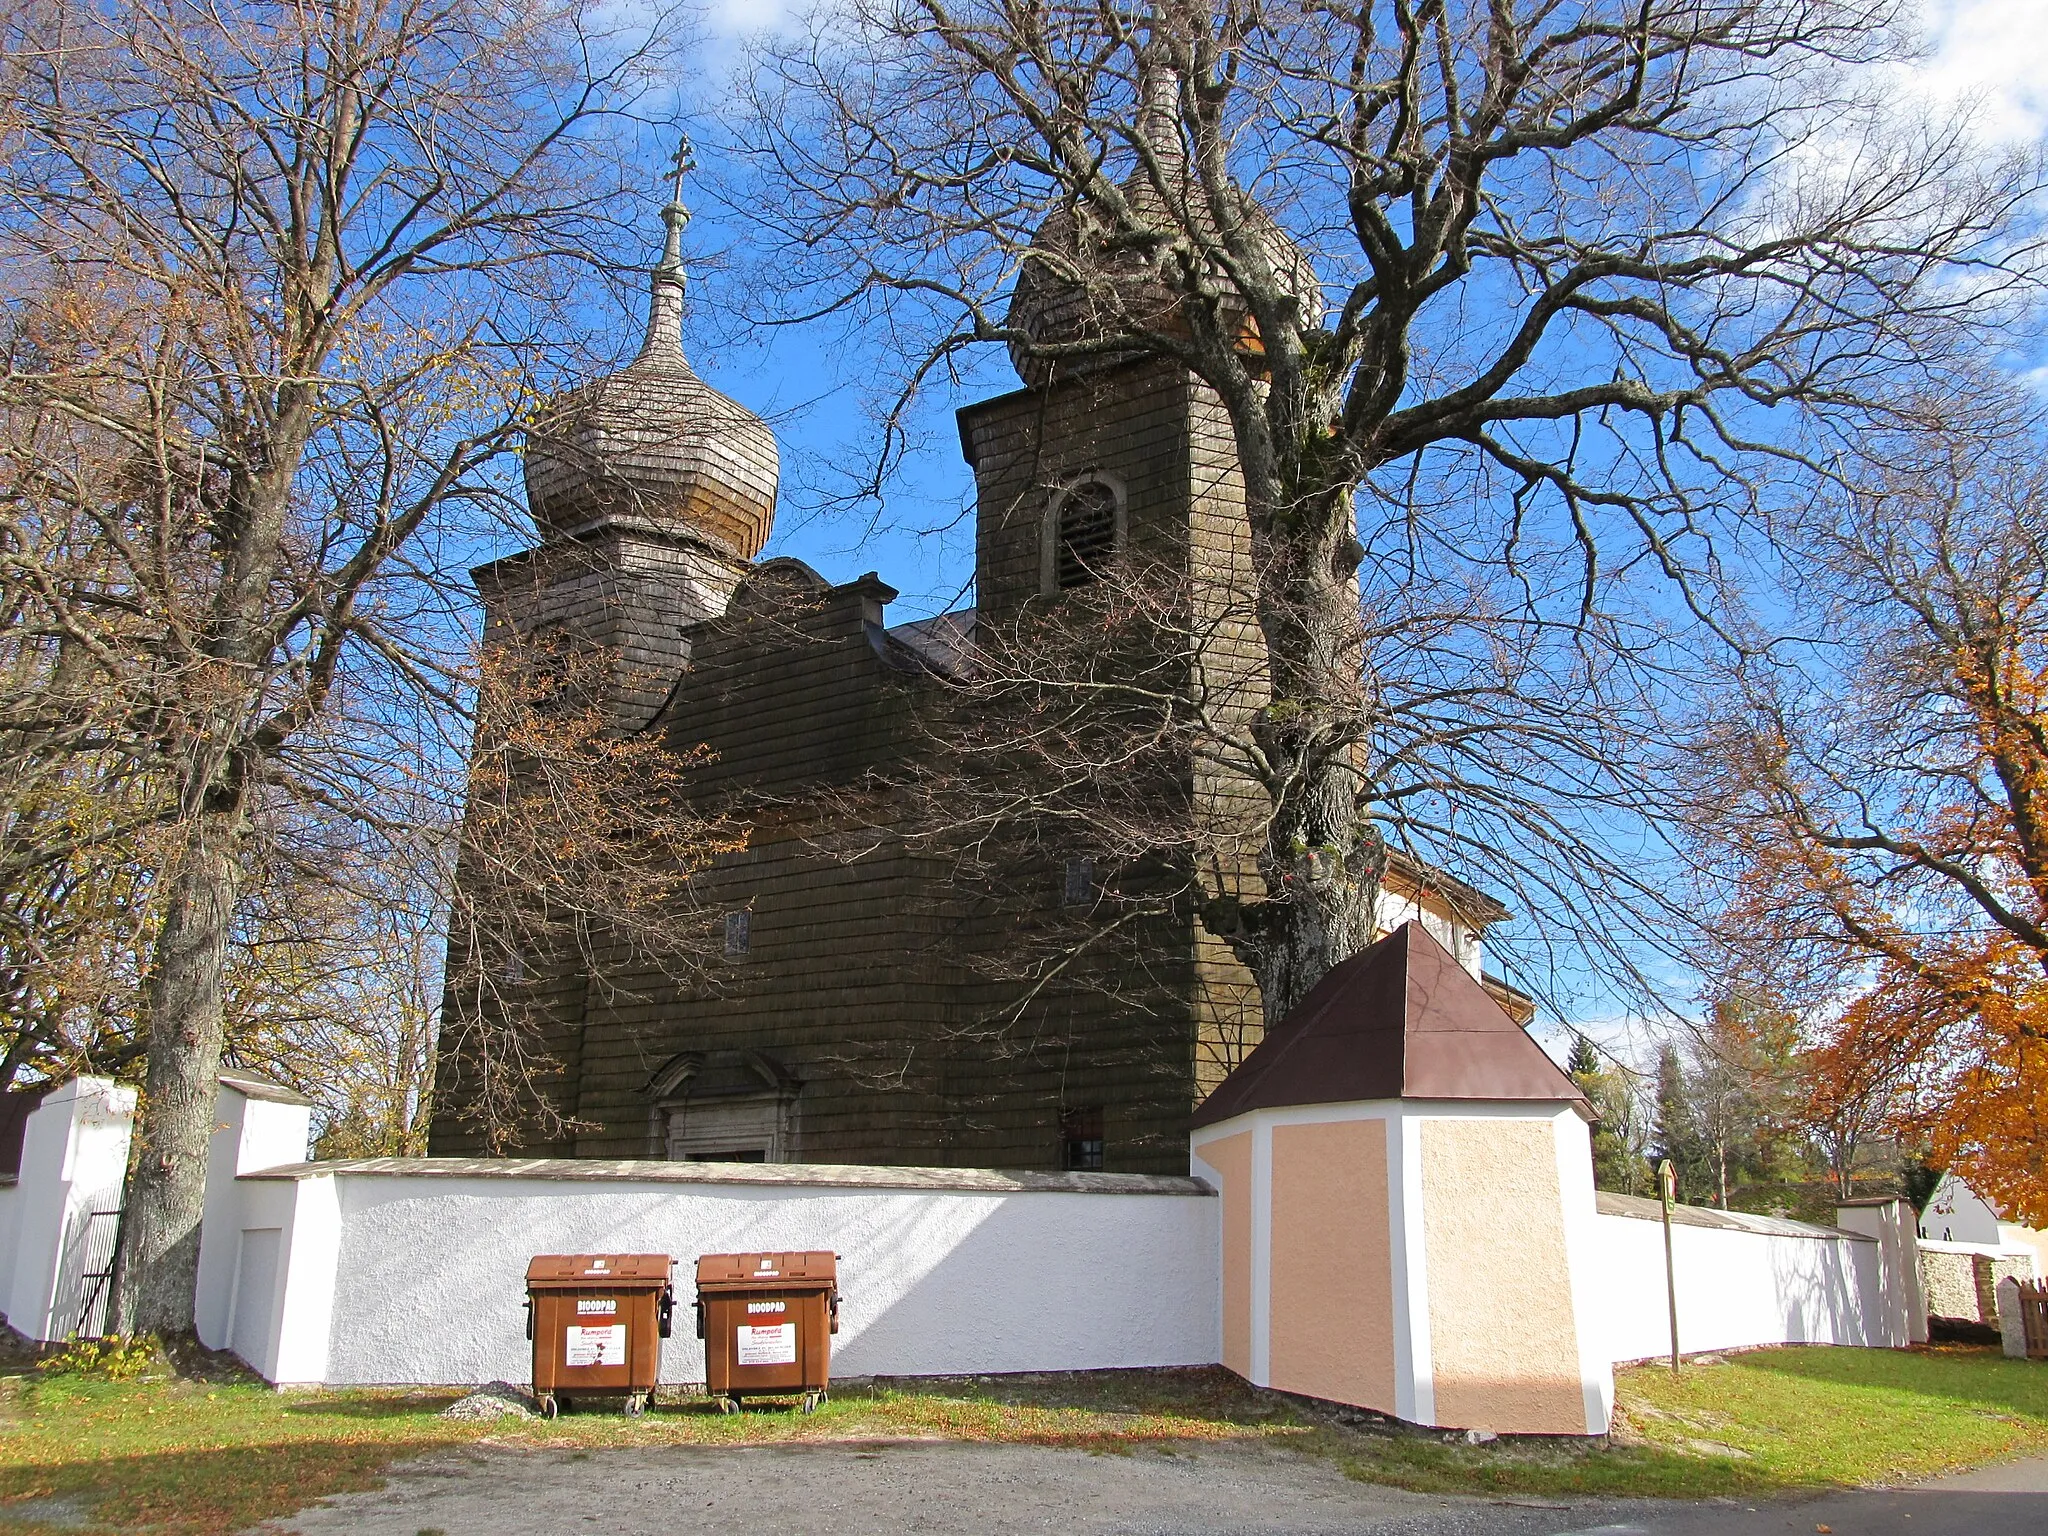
(1989, 58)
(740, 18)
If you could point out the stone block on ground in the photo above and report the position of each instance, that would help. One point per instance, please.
(496, 1400)
(2012, 1330)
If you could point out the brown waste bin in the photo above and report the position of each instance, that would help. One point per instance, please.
(597, 1321)
(767, 1321)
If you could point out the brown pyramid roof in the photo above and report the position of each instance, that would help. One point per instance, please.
(1402, 1020)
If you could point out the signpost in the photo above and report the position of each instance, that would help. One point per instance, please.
(1667, 1187)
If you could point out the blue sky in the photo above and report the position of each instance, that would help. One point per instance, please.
(1989, 57)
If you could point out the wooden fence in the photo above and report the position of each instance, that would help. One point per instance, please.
(2033, 1298)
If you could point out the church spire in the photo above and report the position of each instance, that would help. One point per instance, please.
(653, 444)
(665, 298)
(1158, 119)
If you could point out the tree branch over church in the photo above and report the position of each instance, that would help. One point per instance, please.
(1565, 292)
(580, 849)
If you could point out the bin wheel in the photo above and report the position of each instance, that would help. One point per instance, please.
(636, 1404)
(728, 1405)
(549, 1408)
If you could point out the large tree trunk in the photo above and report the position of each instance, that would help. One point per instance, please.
(1322, 863)
(158, 1264)
(157, 1267)
(17, 1057)
(1324, 922)
(1324, 885)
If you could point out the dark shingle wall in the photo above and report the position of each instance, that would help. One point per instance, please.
(886, 977)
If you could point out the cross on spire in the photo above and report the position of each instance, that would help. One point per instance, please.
(685, 162)
(676, 215)
(665, 301)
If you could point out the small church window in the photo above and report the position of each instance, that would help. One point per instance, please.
(1080, 883)
(739, 932)
(1086, 534)
(1081, 1140)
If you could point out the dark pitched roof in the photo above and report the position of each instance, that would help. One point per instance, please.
(1401, 1020)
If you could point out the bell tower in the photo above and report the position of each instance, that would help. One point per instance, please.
(1113, 477)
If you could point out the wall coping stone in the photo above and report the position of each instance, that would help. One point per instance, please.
(782, 1175)
(1637, 1208)
(253, 1085)
(1988, 1250)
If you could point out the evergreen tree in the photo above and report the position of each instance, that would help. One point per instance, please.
(1618, 1163)
(1920, 1176)
(1678, 1135)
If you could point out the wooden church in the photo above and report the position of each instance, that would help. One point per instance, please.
(867, 1003)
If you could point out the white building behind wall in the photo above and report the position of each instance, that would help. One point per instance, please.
(1956, 1213)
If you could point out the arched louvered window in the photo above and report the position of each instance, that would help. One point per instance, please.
(1082, 535)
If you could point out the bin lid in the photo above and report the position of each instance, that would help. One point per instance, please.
(588, 1269)
(754, 1271)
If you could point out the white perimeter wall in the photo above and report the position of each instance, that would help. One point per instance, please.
(323, 1274)
(357, 1279)
(1739, 1288)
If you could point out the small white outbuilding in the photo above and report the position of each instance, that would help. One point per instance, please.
(1408, 1210)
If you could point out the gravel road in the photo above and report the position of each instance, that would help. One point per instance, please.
(950, 1489)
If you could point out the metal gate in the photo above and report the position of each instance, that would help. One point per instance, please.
(99, 1240)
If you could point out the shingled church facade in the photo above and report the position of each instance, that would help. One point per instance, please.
(854, 1014)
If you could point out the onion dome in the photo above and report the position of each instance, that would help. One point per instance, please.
(653, 442)
(1081, 277)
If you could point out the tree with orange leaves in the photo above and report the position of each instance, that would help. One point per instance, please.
(1874, 797)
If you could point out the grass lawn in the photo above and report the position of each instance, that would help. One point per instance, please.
(196, 1457)
(1766, 1421)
